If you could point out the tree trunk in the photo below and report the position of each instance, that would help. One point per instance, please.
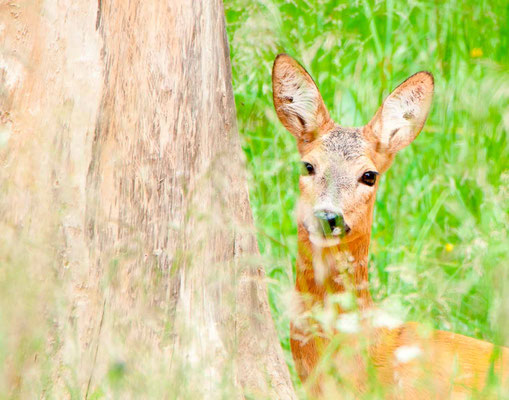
(129, 239)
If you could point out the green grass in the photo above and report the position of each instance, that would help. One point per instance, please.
(440, 246)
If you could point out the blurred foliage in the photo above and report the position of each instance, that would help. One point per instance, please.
(440, 245)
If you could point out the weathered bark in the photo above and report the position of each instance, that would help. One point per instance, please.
(121, 160)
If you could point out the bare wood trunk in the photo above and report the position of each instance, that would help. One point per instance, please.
(123, 192)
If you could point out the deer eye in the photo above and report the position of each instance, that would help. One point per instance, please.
(307, 168)
(369, 178)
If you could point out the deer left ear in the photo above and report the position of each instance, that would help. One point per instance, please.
(297, 100)
(403, 114)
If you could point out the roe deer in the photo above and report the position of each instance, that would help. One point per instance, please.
(334, 214)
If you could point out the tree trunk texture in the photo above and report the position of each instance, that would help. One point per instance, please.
(129, 252)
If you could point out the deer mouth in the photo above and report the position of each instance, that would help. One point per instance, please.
(322, 235)
(329, 229)
(331, 224)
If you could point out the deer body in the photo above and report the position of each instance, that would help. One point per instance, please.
(446, 365)
(334, 228)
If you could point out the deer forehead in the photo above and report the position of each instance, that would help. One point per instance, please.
(338, 148)
(346, 143)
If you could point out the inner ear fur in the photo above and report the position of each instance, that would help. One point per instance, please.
(403, 113)
(297, 100)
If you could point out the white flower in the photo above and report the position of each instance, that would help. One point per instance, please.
(348, 323)
(405, 354)
(383, 319)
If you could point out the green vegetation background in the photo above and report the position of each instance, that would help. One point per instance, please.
(440, 248)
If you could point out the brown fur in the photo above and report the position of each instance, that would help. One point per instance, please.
(446, 365)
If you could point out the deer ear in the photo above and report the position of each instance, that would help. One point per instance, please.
(297, 100)
(403, 114)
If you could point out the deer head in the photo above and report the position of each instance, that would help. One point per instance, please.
(342, 165)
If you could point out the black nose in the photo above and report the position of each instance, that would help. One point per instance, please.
(329, 220)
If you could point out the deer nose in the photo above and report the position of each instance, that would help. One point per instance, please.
(331, 222)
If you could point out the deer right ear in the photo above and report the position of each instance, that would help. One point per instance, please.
(298, 103)
(403, 114)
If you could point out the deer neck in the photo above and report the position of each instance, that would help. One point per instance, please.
(333, 270)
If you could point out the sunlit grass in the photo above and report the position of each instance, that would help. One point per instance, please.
(440, 245)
